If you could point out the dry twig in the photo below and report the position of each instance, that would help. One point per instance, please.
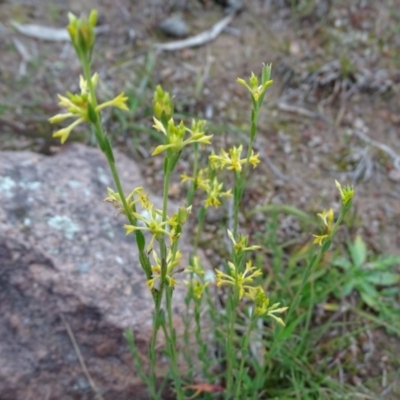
(197, 40)
(80, 358)
(381, 146)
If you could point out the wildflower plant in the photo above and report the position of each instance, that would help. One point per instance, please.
(160, 256)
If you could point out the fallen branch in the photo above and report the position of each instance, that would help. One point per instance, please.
(197, 40)
(81, 360)
(381, 146)
(298, 110)
(49, 33)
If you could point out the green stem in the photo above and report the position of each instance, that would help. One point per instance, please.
(100, 132)
(163, 247)
(245, 346)
(307, 273)
(171, 343)
(200, 224)
(240, 179)
(203, 357)
(230, 350)
(238, 190)
(152, 358)
(167, 178)
(157, 296)
(193, 187)
(138, 361)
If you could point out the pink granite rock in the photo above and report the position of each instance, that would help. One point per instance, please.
(64, 254)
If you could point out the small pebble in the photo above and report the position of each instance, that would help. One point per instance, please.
(174, 26)
(394, 175)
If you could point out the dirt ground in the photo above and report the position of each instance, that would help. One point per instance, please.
(332, 113)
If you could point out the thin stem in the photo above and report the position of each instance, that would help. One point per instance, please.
(238, 190)
(307, 273)
(167, 178)
(99, 129)
(230, 350)
(157, 296)
(240, 179)
(245, 346)
(205, 360)
(138, 364)
(193, 187)
(200, 224)
(171, 342)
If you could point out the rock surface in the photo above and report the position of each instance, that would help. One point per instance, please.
(174, 26)
(65, 257)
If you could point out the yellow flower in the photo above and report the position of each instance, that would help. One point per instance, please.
(346, 193)
(254, 159)
(150, 220)
(162, 103)
(201, 181)
(240, 246)
(172, 262)
(231, 160)
(215, 193)
(195, 267)
(77, 106)
(175, 135)
(118, 102)
(180, 217)
(320, 239)
(327, 218)
(64, 133)
(115, 199)
(256, 90)
(81, 32)
(196, 287)
(262, 307)
(240, 280)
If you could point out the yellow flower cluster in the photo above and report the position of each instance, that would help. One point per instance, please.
(172, 262)
(262, 307)
(256, 90)
(346, 193)
(175, 135)
(197, 284)
(244, 281)
(241, 245)
(77, 106)
(150, 218)
(211, 186)
(327, 219)
(231, 160)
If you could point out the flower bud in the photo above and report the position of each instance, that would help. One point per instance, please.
(162, 103)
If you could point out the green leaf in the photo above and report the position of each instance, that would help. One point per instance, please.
(385, 262)
(371, 301)
(347, 287)
(288, 329)
(390, 291)
(384, 278)
(358, 251)
(342, 263)
(92, 114)
(253, 130)
(140, 240)
(326, 245)
(107, 149)
(368, 289)
(165, 166)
